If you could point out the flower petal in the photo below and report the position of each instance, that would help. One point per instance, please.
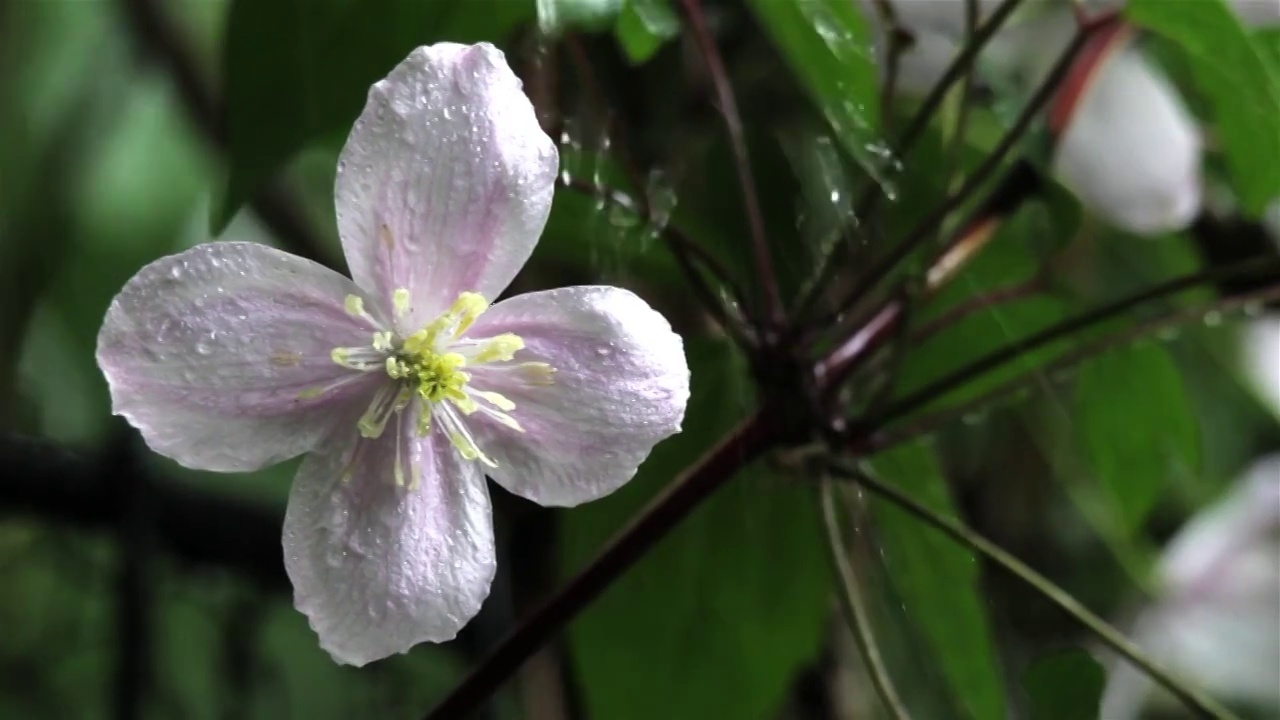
(446, 180)
(1261, 359)
(378, 568)
(946, 17)
(1131, 151)
(620, 386)
(206, 353)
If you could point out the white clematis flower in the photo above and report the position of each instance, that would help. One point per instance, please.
(937, 29)
(1260, 342)
(1126, 144)
(1217, 622)
(403, 385)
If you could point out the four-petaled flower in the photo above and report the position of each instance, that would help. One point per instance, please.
(405, 386)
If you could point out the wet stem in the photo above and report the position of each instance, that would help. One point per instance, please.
(771, 315)
(1200, 704)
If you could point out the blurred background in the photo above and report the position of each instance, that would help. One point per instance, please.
(1139, 480)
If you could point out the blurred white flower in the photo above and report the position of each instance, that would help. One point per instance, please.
(937, 28)
(1217, 622)
(1128, 147)
(1253, 13)
(1258, 13)
(1271, 219)
(1260, 342)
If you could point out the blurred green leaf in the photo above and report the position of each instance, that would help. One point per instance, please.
(643, 26)
(297, 72)
(554, 15)
(1269, 40)
(1065, 685)
(826, 44)
(1137, 426)
(938, 581)
(1240, 81)
(710, 208)
(138, 188)
(717, 619)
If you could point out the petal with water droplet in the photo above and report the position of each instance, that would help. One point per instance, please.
(445, 183)
(379, 567)
(207, 352)
(621, 383)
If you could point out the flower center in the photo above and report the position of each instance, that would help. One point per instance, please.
(430, 368)
(435, 376)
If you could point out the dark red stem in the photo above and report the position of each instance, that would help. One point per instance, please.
(746, 442)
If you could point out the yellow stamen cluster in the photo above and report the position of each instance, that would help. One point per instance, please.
(430, 367)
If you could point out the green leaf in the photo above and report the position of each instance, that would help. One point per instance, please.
(643, 26)
(1268, 40)
(1066, 685)
(299, 71)
(1238, 78)
(1137, 427)
(938, 582)
(825, 42)
(718, 618)
(555, 15)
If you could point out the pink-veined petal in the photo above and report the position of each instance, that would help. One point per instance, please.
(1131, 150)
(378, 568)
(620, 386)
(207, 352)
(446, 179)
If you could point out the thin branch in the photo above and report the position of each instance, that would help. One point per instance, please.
(737, 449)
(914, 131)
(899, 39)
(978, 303)
(959, 131)
(838, 365)
(1085, 321)
(1198, 702)
(772, 315)
(955, 71)
(133, 584)
(274, 204)
(1020, 183)
(685, 251)
(855, 611)
(927, 227)
(1064, 364)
